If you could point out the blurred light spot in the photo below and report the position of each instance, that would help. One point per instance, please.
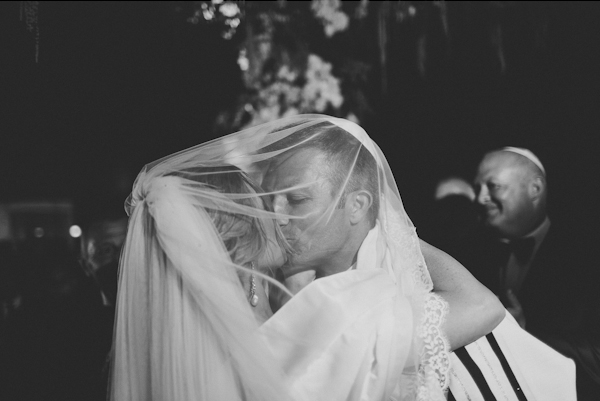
(412, 11)
(234, 23)
(75, 231)
(208, 14)
(229, 10)
(38, 232)
(243, 60)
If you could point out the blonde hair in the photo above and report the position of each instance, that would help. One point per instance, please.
(244, 236)
(183, 324)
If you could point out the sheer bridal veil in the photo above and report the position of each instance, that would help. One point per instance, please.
(184, 327)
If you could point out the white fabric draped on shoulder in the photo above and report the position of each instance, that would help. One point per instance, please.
(199, 218)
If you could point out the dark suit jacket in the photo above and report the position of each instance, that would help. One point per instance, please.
(558, 296)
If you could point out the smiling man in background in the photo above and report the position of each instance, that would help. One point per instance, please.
(537, 269)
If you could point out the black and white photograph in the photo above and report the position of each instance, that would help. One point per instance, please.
(299, 200)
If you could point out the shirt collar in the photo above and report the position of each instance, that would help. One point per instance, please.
(540, 232)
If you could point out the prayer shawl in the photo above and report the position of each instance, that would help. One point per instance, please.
(511, 364)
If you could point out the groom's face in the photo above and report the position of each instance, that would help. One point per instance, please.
(310, 221)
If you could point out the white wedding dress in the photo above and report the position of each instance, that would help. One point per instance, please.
(185, 330)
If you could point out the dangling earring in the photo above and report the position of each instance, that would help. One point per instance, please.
(252, 297)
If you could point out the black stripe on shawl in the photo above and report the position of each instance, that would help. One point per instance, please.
(507, 369)
(475, 373)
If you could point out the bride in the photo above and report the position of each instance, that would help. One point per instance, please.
(196, 276)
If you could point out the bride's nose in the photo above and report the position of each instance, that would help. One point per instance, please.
(281, 211)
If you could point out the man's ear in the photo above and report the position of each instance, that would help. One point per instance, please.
(358, 204)
(537, 187)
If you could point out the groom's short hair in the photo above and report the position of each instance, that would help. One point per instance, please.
(341, 150)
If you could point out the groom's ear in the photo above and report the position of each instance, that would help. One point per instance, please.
(358, 204)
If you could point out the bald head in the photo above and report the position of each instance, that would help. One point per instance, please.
(454, 186)
(511, 189)
(517, 161)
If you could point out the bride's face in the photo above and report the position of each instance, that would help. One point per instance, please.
(273, 256)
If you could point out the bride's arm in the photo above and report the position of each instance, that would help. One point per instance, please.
(474, 310)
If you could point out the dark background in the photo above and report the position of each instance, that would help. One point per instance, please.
(119, 84)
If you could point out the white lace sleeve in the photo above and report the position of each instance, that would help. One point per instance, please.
(435, 354)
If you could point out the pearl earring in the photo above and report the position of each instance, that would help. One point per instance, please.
(252, 296)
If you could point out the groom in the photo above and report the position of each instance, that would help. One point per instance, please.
(333, 225)
(327, 239)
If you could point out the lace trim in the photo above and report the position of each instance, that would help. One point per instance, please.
(407, 240)
(432, 378)
(421, 273)
(434, 371)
